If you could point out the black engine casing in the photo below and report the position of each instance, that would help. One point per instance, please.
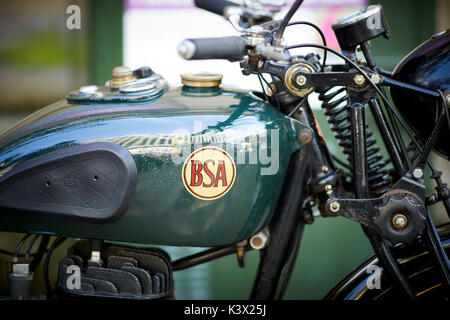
(126, 273)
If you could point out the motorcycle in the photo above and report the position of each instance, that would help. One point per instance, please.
(136, 162)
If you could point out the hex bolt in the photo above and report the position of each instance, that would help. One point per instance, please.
(95, 256)
(301, 80)
(448, 99)
(375, 78)
(324, 169)
(335, 206)
(272, 89)
(417, 173)
(399, 221)
(305, 136)
(328, 188)
(359, 79)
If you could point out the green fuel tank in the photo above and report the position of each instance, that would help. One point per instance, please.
(142, 163)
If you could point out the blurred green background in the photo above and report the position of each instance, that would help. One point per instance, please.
(39, 65)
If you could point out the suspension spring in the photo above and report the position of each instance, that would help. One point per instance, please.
(336, 107)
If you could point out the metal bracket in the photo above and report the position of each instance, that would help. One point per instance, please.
(405, 199)
(332, 79)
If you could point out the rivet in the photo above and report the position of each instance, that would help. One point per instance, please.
(305, 136)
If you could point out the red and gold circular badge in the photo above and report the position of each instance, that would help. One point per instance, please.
(208, 173)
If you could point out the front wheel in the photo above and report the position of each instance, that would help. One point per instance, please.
(368, 282)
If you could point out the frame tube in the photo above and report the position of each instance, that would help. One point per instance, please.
(282, 227)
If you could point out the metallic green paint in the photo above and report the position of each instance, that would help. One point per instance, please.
(159, 134)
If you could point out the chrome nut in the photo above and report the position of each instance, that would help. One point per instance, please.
(359, 80)
(335, 206)
(399, 221)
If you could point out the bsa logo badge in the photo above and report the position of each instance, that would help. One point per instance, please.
(209, 173)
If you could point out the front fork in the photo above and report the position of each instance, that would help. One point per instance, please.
(399, 215)
(383, 218)
(287, 225)
(282, 227)
(312, 171)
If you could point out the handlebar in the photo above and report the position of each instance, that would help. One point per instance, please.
(231, 48)
(214, 6)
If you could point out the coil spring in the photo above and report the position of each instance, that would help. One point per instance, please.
(336, 107)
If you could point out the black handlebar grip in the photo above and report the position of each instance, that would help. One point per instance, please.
(229, 48)
(214, 6)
